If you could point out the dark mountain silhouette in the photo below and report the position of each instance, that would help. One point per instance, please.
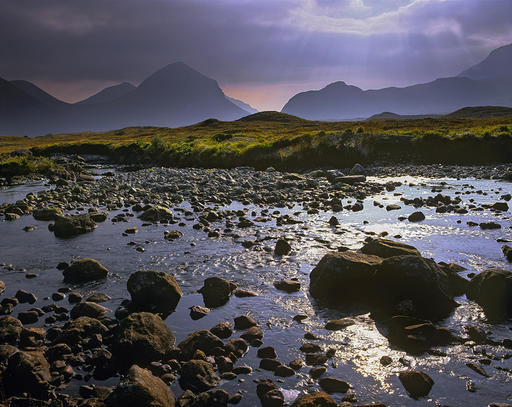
(394, 116)
(242, 105)
(481, 112)
(176, 95)
(108, 94)
(488, 83)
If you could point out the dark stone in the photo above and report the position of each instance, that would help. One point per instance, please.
(244, 322)
(10, 330)
(88, 309)
(333, 385)
(417, 383)
(339, 324)
(223, 330)
(216, 291)
(201, 340)
(198, 376)
(197, 312)
(388, 248)
(85, 270)
(290, 286)
(492, 290)
(72, 225)
(282, 247)
(416, 217)
(318, 399)
(27, 372)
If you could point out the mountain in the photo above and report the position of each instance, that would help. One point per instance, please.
(481, 112)
(242, 105)
(487, 83)
(497, 66)
(394, 116)
(108, 94)
(176, 95)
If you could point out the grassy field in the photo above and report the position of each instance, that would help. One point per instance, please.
(271, 138)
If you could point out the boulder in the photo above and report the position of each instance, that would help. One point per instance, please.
(388, 248)
(84, 270)
(269, 394)
(154, 291)
(198, 376)
(157, 213)
(290, 286)
(201, 340)
(282, 247)
(10, 330)
(417, 383)
(72, 225)
(141, 338)
(216, 291)
(212, 398)
(507, 252)
(88, 309)
(417, 216)
(343, 277)
(48, 213)
(140, 388)
(223, 330)
(27, 372)
(318, 399)
(333, 385)
(492, 290)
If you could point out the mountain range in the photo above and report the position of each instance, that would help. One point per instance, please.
(178, 95)
(487, 83)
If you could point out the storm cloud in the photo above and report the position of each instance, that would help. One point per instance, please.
(262, 51)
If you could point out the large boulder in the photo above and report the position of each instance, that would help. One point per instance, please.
(388, 248)
(318, 399)
(154, 291)
(27, 372)
(85, 270)
(157, 213)
(140, 388)
(10, 330)
(141, 338)
(492, 290)
(343, 277)
(417, 282)
(417, 383)
(198, 376)
(200, 340)
(48, 213)
(216, 291)
(72, 225)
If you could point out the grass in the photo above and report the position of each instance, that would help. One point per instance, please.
(271, 138)
(13, 165)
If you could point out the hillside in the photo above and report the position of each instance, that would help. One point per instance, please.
(482, 112)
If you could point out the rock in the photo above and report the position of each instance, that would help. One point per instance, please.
(267, 352)
(25, 297)
(48, 213)
(489, 225)
(241, 293)
(342, 277)
(269, 394)
(28, 317)
(417, 383)
(269, 364)
(339, 324)
(27, 372)
(492, 290)
(244, 322)
(237, 346)
(351, 179)
(284, 371)
(416, 217)
(318, 399)
(88, 309)
(140, 388)
(2, 287)
(223, 330)
(173, 234)
(252, 333)
(316, 372)
(388, 248)
(290, 286)
(282, 247)
(212, 398)
(141, 338)
(201, 340)
(81, 328)
(216, 291)
(500, 206)
(72, 225)
(10, 330)
(157, 213)
(131, 231)
(11, 216)
(154, 291)
(333, 385)
(316, 359)
(98, 298)
(198, 376)
(385, 360)
(85, 270)
(333, 221)
(393, 207)
(357, 169)
(477, 368)
(507, 252)
(197, 312)
(98, 216)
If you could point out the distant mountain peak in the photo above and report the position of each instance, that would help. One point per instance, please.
(495, 67)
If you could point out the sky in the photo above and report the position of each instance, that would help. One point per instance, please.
(260, 51)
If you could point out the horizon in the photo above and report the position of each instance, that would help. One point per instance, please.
(279, 50)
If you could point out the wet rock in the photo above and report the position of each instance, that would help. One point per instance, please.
(388, 248)
(489, 225)
(85, 270)
(28, 317)
(284, 371)
(198, 376)
(416, 217)
(11, 216)
(290, 286)
(500, 206)
(202, 340)
(269, 394)
(197, 312)
(241, 293)
(393, 207)
(316, 359)
(385, 360)
(25, 297)
(417, 383)
(173, 234)
(212, 398)
(269, 364)
(282, 247)
(157, 213)
(492, 290)
(141, 338)
(154, 291)
(2, 287)
(237, 346)
(10, 330)
(72, 225)
(48, 213)
(98, 298)
(252, 333)
(316, 372)
(131, 231)
(141, 388)
(245, 322)
(351, 179)
(74, 297)
(318, 399)
(477, 368)
(216, 291)
(339, 324)
(333, 385)
(267, 352)
(333, 221)
(98, 216)
(223, 330)
(27, 372)
(507, 252)
(88, 309)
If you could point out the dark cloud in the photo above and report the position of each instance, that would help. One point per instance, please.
(245, 43)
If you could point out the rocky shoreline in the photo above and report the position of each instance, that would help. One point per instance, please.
(407, 294)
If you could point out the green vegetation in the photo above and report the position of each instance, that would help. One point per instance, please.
(15, 165)
(280, 140)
